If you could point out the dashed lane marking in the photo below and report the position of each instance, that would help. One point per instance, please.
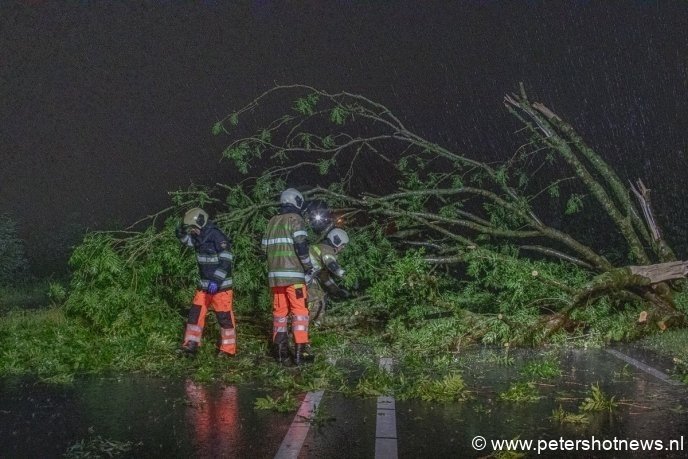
(293, 441)
(646, 368)
(386, 424)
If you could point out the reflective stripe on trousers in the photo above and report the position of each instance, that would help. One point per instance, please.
(219, 302)
(290, 300)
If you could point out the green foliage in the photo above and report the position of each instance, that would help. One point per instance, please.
(240, 154)
(97, 447)
(450, 387)
(57, 293)
(13, 263)
(554, 191)
(376, 382)
(608, 321)
(217, 128)
(510, 279)
(306, 105)
(598, 400)
(131, 287)
(324, 165)
(521, 392)
(546, 368)
(427, 337)
(672, 344)
(566, 417)
(367, 256)
(124, 285)
(503, 359)
(574, 204)
(283, 404)
(338, 115)
(405, 287)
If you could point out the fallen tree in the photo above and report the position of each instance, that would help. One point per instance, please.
(446, 248)
(455, 206)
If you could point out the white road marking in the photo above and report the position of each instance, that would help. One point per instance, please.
(386, 425)
(646, 368)
(293, 441)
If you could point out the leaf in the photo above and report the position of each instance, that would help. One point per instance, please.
(553, 191)
(574, 204)
(217, 128)
(501, 176)
(324, 165)
(338, 115)
(306, 105)
(328, 142)
(265, 136)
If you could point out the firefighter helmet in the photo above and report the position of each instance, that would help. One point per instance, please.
(338, 237)
(196, 217)
(319, 216)
(293, 197)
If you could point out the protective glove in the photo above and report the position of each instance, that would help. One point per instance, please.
(180, 231)
(344, 293)
(212, 287)
(310, 274)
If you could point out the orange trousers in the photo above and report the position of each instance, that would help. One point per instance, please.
(221, 303)
(290, 300)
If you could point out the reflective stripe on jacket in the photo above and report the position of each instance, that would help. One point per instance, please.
(325, 263)
(213, 256)
(283, 232)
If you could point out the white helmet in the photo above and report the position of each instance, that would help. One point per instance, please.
(293, 197)
(338, 237)
(196, 217)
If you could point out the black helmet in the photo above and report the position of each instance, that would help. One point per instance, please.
(319, 216)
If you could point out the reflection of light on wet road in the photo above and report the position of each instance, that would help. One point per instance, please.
(214, 419)
(180, 418)
(385, 426)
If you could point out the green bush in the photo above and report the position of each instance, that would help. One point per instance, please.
(512, 284)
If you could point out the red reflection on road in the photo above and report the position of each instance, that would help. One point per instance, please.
(214, 418)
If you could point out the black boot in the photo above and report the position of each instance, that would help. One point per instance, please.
(302, 354)
(189, 348)
(280, 348)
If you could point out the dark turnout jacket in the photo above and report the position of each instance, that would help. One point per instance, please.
(213, 255)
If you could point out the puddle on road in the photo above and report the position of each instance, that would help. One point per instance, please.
(648, 409)
(183, 419)
(157, 418)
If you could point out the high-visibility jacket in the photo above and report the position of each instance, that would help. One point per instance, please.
(326, 265)
(286, 245)
(213, 256)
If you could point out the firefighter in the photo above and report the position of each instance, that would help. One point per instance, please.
(319, 217)
(324, 258)
(289, 268)
(214, 290)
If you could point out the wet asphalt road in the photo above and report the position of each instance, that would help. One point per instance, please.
(164, 418)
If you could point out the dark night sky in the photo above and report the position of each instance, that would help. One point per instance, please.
(106, 106)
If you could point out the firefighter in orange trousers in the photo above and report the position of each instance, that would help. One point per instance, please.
(214, 290)
(289, 269)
